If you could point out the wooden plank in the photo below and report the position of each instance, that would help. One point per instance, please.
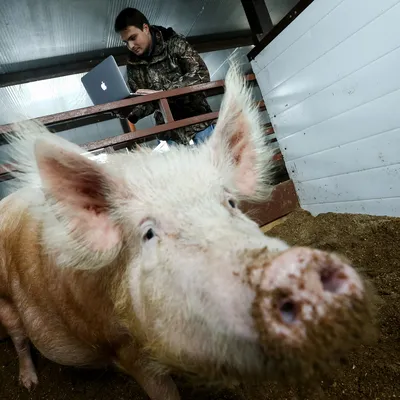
(116, 105)
(166, 111)
(269, 130)
(123, 140)
(126, 138)
(282, 202)
(149, 132)
(273, 224)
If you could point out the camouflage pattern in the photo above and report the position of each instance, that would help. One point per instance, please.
(172, 64)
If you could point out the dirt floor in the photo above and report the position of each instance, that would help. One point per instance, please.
(372, 244)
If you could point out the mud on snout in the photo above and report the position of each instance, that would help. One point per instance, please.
(311, 308)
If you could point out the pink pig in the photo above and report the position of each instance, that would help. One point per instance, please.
(146, 262)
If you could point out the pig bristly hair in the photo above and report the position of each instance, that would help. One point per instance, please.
(239, 139)
(82, 203)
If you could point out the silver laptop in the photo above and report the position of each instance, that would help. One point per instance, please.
(105, 83)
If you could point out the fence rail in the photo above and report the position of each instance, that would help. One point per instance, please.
(284, 198)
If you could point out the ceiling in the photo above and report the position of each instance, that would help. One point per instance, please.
(37, 29)
(33, 33)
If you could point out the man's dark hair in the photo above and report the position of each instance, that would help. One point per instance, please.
(130, 17)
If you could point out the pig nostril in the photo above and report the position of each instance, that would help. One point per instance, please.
(332, 281)
(288, 311)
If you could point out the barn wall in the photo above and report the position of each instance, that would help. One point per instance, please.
(331, 84)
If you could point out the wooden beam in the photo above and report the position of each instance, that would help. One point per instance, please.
(257, 14)
(277, 29)
(82, 62)
(116, 105)
(283, 201)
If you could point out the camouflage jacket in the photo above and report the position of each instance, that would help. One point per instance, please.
(171, 64)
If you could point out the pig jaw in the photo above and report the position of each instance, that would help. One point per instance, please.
(299, 310)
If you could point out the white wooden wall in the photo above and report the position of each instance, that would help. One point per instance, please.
(331, 83)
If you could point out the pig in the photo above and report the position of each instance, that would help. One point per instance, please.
(146, 263)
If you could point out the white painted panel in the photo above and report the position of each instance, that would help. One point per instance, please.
(286, 38)
(356, 124)
(347, 57)
(333, 95)
(382, 207)
(256, 67)
(377, 79)
(364, 185)
(349, 15)
(373, 152)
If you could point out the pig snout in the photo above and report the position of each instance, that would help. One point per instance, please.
(301, 283)
(310, 307)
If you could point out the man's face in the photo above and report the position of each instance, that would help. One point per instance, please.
(138, 41)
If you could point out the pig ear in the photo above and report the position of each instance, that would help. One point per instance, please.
(239, 139)
(79, 190)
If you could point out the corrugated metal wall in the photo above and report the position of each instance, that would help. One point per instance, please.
(34, 31)
(332, 88)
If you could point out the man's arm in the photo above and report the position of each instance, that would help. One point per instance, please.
(141, 110)
(193, 67)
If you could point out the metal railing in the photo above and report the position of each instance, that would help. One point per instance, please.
(284, 185)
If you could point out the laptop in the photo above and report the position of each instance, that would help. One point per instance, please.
(105, 83)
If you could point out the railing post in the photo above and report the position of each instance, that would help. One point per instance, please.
(166, 111)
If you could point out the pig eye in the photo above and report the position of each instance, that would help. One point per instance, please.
(232, 203)
(149, 235)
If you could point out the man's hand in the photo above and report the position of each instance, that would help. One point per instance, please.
(122, 113)
(147, 91)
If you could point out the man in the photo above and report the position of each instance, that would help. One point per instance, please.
(160, 59)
